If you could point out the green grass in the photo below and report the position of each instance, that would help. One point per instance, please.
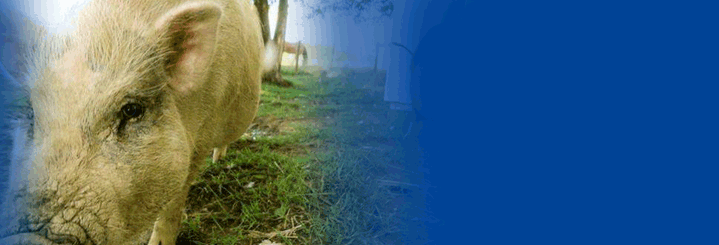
(359, 208)
(262, 186)
(289, 102)
(314, 159)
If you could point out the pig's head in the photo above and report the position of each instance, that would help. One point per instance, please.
(101, 145)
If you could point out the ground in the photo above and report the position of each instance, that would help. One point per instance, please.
(322, 164)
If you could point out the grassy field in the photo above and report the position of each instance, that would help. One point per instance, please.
(320, 165)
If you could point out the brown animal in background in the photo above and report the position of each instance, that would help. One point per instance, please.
(121, 115)
(292, 49)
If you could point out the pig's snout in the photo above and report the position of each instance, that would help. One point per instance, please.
(40, 238)
(45, 233)
(40, 221)
(25, 238)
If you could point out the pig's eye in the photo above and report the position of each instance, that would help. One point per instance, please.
(132, 110)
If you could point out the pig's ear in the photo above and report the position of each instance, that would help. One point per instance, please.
(190, 35)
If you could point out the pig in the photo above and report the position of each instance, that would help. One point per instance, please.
(121, 112)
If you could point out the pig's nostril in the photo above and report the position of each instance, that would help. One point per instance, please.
(64, 239)
(58, 238)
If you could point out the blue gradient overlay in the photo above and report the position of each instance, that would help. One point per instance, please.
(5, 142)
(561, 122)
(5, 92)
(570, 123)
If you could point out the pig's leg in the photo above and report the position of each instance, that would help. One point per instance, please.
(167, 226)
(218, 153)
(224, 151)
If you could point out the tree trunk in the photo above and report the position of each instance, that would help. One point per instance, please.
(275, 76)
(298, 52)
(262, 9)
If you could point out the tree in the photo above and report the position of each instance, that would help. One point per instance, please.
(360, 10)
(356, 8)
(263, 8)
(274, 75)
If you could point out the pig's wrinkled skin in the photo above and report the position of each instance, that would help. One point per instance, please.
(122, 112)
